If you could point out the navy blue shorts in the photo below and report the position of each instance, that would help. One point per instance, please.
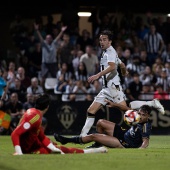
(119, 134)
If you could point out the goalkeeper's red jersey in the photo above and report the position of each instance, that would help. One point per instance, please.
(29, 134)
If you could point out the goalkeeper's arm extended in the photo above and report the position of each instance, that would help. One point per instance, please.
(18, 150)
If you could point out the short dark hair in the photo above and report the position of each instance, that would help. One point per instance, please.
(42, 102)
(108, 33)
(146, 109)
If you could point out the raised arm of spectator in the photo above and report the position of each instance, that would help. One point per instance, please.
(36, 27)
(61, 33)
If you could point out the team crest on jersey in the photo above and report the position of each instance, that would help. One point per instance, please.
(66, 114)
(26, 125)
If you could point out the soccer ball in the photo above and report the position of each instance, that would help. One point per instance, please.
(131, 117)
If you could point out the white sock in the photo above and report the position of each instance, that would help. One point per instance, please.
(138, 104)
(88, 124)
(96, 150)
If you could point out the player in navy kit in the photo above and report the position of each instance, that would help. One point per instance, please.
(114, 136)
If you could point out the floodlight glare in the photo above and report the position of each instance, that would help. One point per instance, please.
(84, 14)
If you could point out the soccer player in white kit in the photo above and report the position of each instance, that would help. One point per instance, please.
(112, 88)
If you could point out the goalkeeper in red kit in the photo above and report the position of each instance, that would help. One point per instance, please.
(29, 137)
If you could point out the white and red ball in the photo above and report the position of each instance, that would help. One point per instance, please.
(131, 117)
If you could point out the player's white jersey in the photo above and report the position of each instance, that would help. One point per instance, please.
(110, 55)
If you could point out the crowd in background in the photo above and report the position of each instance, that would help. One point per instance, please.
(60, 51)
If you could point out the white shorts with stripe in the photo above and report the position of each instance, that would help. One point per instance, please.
(111, 92)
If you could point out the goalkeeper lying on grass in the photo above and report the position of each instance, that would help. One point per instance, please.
(29, 137)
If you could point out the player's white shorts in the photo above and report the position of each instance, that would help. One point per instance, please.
(112, 92)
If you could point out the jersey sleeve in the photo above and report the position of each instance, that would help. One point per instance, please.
(111, 56)
(146, 130)
(45, 140)
(30, 120)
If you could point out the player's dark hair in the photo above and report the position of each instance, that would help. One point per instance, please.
(146, 109)
(42, 102)
(108, 33)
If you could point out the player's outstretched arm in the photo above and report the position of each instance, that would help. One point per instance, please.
(145, 143)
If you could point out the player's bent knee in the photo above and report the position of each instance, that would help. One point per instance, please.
(94, 136)
(100, 122)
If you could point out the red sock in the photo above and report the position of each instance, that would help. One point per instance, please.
(70, 150)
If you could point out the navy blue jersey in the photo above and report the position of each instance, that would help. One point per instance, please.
(133, 137)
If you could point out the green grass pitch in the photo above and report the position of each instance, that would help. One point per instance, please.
(155, 157)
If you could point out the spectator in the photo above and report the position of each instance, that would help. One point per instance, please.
(164, 80)
(76, 60)
(81, 73)
(3, 87)
(127, 55)
(19, 89)
(166, 54)
(90, 60)
(64, 70)
(25, 80)
(135, 88)
(144, 58)
(154, 44)
(29, 103)
(167, 67)
(24, 62)
(79, 91)
(15, 108)
(160, 93)
(135, 66)
(158, 62)
(49, 47)
(11, 73)
(61, 84)
(127, 80)
(147, 92)
(35, 88)
(68, 90)
(64, 51)
(147, 76)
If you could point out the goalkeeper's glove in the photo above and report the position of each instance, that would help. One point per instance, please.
(54, 149)
(18, 150)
